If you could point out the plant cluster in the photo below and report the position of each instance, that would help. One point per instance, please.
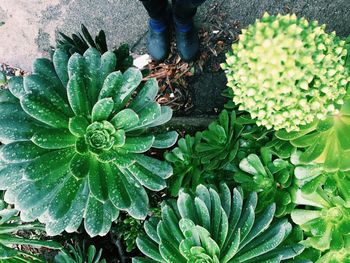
(83, 139)
(216, 226)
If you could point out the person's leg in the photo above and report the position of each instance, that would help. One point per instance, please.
(186, 35)
(158, 41)
(156, 9)
(185, 10)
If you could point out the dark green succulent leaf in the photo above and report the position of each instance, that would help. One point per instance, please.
(125, 119)
(78, 125)
(165, 140)
(39, 85)
(77, 95)
(48, 164)
(131, 80)
(20, 151)
(16, 87)
(12, 114)
(138, 144)
(42, 110)
(54, 139)
(194, 230)
(79, 165)
(45, 68)
(102, 109)
(60, 60)
(92, 66)
(146, 95)
(111, 84)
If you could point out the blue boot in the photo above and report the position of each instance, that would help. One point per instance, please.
(158, 40)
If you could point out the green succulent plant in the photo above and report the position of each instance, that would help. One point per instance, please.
(10, 225)
(208, 155)
(216, 226)
(310, 176)
(80, 255)
(219, 143)
(128, 229)
(186, 164)
(324, 141)
(326, 221)
(287, 72)
(75, 138)
(80, 42)
(272, 178)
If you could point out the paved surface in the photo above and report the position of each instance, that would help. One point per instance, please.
(30, 26)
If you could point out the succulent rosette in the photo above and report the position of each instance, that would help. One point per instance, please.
(271, 177)
(287, 72)
(211, 226)
(75, 134)
(327, 221)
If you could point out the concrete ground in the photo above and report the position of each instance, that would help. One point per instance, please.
(30, 26)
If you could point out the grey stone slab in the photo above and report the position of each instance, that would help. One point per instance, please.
(31, 25)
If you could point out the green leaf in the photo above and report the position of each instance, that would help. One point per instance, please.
(42, 110)
(160, 168)
(165, 140)
(92, 65)
(108, 64)
(149, 248)
(97, 221)
(117, 190)
(102, 109)
(146, 95)
(77, 96)
(11, 116)
(79, 165)
(252, 165)
(78, 125)
(11, 175)
(147, 178)
(45, 68)
(21, 151)
(60, 61)
(111, 84)
(48, 164)
(54, 139)
(148, 115)
(165, 115)
(314, 151)
(98, 181)
(16, 87)
(131, 79)
(125, 119)
(62, 202)
(139, 199)
(284, 135)
(139, 144)
(38, 85)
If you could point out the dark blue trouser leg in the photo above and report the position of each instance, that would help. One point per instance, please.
(183, 10)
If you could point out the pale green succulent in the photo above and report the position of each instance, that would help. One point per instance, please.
(326, 222)
(287, 72)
